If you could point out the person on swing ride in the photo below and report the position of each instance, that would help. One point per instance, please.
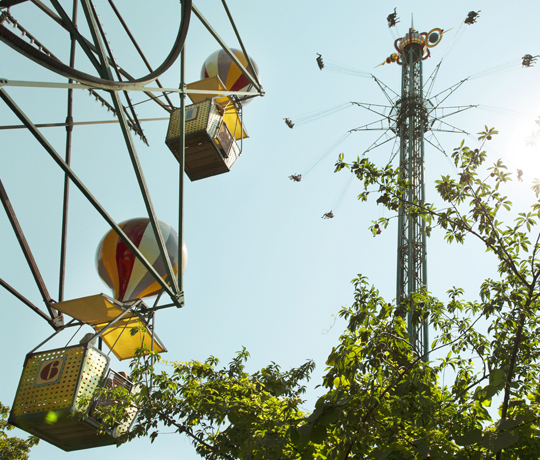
(320, 62)
(296, 177)
(520, 175)
(392, 19)
(328, 215)
(289, 123)
(528, 60)
(472, 17)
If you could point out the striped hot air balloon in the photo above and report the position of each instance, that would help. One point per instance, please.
(220, 63)
(123, 272)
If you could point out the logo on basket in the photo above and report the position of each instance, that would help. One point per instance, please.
(192, 113)
(50, 371)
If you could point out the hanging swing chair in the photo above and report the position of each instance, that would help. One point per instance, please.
(51, 390)
(212, 127)
(56, 398)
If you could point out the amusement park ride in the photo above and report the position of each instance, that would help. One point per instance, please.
(409, 118)
(137, 258)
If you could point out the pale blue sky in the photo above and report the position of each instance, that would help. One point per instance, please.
(265, 271)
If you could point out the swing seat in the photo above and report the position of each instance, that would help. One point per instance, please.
(58, 384)
(212, 127)
(210, 147)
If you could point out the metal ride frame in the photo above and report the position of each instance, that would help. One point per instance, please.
(410, 117)
(412, 120)
(113, 80)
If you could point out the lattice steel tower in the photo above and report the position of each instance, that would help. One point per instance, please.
(411, 124)
(413, 118)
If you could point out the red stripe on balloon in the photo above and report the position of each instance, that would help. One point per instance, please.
(241, 83)
(125, 259)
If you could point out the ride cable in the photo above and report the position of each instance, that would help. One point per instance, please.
(317, 114)
(337, 67)
(313, 163)
(512, 64)
(341, 193)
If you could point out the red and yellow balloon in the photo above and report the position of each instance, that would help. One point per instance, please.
(220, 63)
(123, 272)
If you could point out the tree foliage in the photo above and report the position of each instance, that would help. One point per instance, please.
(13, 448)
(380, 399)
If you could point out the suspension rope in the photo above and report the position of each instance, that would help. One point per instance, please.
(509, 65)
(503, 110)
(69, 341)
(317, 114)
(457, 36)
(337, 67)
(119, 335)
(341, 194)
(307, 169)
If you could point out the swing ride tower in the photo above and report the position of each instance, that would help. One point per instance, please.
(411, 124)
(414, 116)
(410, 120)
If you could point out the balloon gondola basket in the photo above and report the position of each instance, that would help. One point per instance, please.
(55, 401)
(210, 147)
(56, 397)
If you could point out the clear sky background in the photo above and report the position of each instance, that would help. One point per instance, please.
(265, 271)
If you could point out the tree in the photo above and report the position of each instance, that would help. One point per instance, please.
(12, 448)
(381, 400)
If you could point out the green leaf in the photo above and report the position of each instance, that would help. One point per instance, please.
(294, 435)
(343, 401)
(496, 377)
(234, 418)
(304, 430)
(423, 449)
(473, 436)
(329, 416)
(318, 434)
(315, 415)
(495, 441)
(485, 393)
(507, 423)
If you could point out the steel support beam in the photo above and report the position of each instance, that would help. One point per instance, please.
(56, 319)
(79, 184)
(24, 300)
(214, 34)
(134, 87)
(74, 32)
(181, 171)
(411, 263)
(120, 112)
(69, 132)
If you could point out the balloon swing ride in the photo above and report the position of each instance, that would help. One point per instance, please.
(138, 258)
(410, 118)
